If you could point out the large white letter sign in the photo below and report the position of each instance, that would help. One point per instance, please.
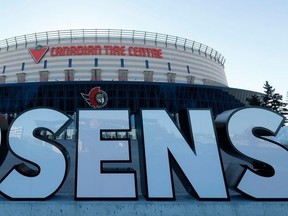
(198, 166)
(92, 180)
(245, 130)
(27, 143)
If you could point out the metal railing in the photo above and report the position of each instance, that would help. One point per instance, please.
(121, 34)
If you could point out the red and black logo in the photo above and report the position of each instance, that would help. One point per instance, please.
(38, 53)
(96, 98)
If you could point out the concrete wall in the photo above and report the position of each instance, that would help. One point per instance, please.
(61, 205)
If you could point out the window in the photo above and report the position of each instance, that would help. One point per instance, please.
(146, 64)
(23, 66)
(122, 62)
(4, 68)
(188, 69)
(169, 66)
(45, 64)
(96, 62)
(70, 63)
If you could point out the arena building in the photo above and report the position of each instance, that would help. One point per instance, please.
(120, 69)
(135, 69)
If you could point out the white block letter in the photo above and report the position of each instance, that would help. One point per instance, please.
(267, 176)
(50, 158)
(93, 181)
(200, 169)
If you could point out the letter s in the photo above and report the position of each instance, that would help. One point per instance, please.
(50, 158)
(243, 133)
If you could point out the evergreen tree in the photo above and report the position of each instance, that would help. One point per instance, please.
(254, 100)
(270, 100)
(276, 102)
(284, 112)
(268, 95)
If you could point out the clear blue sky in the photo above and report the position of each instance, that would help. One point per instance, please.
(251, 34)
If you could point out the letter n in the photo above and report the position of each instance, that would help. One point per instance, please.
(196, 161)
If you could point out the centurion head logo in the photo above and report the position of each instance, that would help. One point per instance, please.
(38, 53)
(96, 98)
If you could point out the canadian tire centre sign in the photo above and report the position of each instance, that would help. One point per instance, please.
(193, 152)
(39, 51)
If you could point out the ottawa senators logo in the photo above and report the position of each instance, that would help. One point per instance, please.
(96, 98)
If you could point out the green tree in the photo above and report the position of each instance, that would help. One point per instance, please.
(284, 112)
(254, 100)
(270, 100)
(269, 91)
(276, 103)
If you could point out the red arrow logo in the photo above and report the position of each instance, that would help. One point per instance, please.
(38, 53)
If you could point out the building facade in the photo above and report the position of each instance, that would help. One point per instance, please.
(136, 69)
(85, 55)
